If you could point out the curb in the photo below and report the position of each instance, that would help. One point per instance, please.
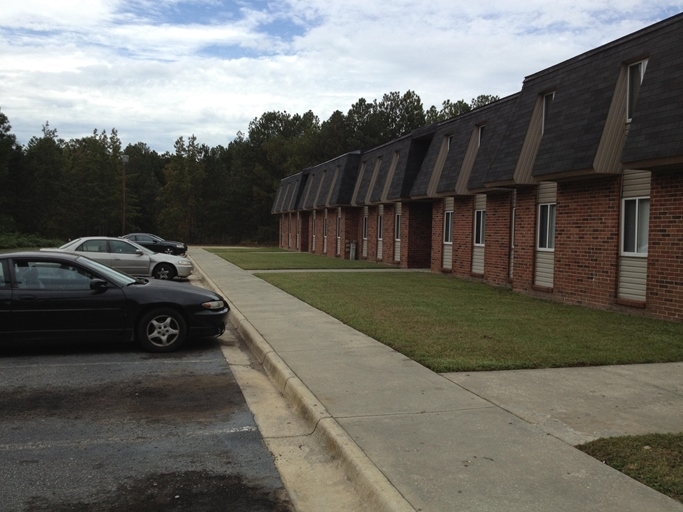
(367, 479)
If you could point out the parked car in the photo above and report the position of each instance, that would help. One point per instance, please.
(59, 295)
(156, 243)
(129, 257)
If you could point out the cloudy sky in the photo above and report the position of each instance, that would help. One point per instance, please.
(159, 69)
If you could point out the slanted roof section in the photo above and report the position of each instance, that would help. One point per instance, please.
(655, 135)
(495, 119)
(290, 192)
(435, 156)
(412, 153)
(324, 185)
(373, 162)
(462, 150)
(337, 189)
(388, 172)
(583, 132)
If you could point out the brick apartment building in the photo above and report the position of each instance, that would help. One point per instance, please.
(571, 189)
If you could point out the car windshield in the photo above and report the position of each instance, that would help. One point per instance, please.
(119, 278)
(69, 243)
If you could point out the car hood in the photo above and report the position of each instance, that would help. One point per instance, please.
(172, 289)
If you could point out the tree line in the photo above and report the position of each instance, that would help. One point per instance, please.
(198, 194)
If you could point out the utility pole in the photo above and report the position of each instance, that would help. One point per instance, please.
(124, 159)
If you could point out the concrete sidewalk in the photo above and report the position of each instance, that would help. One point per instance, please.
(414, 440)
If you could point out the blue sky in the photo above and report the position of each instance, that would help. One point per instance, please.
(159, 69)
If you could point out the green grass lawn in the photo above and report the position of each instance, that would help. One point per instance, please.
(448, 324)
(278, 259)
(656, 460)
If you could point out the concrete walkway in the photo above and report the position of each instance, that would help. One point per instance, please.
(415, 440)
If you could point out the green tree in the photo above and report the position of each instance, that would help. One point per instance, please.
(451, 109)
(143, 188)
(333, 139)
(219, 210)
(94, 175)
(400, 115)
(395, 115)
(43, 185)
(365, 125)
(181, 196)
(448, 110)
(10, 166)
(482, 100)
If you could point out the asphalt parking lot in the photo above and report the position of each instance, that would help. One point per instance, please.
(110, 427)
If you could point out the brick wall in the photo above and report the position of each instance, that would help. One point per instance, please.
(463, 235)
(372, 233)
(349, 229)
(317, 244)
(497, 238)
(289, 231)
(305, 224)
(587, 241)
(525, 239)
(418, 242)
(389, 224)
(665, 249)
(437, 236)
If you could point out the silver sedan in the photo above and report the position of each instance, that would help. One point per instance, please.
(129, 257)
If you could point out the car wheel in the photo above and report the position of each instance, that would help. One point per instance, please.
(164, 271)
(168, 250)
(162, 330)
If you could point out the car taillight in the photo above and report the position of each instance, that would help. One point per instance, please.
(214, 304)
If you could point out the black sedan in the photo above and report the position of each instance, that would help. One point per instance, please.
(156, 243)
(53, 296)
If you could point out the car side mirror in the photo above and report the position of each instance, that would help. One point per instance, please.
(98, 284)
(138, 252)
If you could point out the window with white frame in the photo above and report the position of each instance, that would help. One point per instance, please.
(479, 226)
(546, 226)
(448, 227)
(380, 225)
(636, 72)
(397, 227)
(339, 226)
(635, 226)
(365, 227)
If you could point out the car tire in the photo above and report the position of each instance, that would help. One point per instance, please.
(162, 330)
(164, 271)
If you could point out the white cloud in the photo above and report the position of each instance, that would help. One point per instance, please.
(155, 72)
(47, 15)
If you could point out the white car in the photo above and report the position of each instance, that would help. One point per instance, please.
(129, 257)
